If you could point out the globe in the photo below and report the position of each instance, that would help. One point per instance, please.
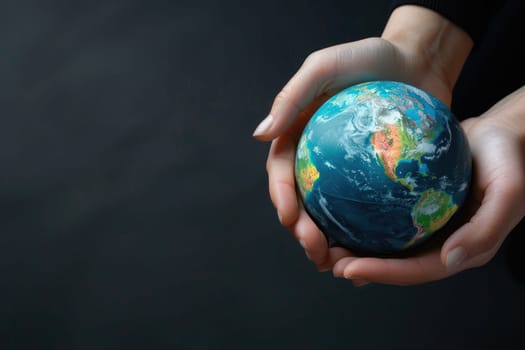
(382, 166)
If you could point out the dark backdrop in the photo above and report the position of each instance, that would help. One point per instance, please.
(134, 209)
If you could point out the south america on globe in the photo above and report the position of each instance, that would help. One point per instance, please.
(381, 166)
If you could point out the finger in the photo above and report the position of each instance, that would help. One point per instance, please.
(335, 255)
(280, 168)
(312, 240)
(338, 253)
(477, 241)
(323, 73)
(339, 268)
(500, 185)
(298, 93)
(407, 271)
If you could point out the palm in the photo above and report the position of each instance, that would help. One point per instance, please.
(322, 75)
(497, 190)
(495, 206)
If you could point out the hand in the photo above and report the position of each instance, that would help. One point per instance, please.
(416, 47)
(497, 200)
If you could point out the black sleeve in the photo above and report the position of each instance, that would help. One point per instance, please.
(472, 16)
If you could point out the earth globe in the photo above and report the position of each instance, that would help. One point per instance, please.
(382, 166)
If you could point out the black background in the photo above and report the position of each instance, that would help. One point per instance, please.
(134, 206)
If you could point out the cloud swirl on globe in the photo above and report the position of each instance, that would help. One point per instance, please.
(381, 166)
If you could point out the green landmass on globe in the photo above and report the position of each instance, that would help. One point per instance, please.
(381, 166)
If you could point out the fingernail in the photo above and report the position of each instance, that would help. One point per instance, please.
(455, 258)
(338, 270)
(307, 255)
(360, 283)
(302, 243)
(324, 269)
(264, 126)
(280, 219)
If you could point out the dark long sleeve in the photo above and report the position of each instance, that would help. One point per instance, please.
(473, 17)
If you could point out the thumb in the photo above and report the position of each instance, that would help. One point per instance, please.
(324, 73)
(477, 241)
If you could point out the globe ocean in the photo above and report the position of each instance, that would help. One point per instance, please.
(382, 166)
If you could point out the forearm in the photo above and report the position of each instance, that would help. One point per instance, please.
(434, 43)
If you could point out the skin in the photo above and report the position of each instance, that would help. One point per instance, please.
(419, 47)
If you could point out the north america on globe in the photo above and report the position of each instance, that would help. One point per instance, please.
(381, 166)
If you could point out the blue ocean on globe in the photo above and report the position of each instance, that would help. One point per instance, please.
(381, 166)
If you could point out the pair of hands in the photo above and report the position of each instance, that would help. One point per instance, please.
(496, 138)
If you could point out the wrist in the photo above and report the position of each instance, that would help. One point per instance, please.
(435, 46)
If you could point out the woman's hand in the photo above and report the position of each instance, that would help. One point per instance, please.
(497, 201)
(418, 47)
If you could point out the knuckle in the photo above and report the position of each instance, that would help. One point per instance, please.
(286, 97)
(283, 96)
(314, 58)
(487, 243)
(486, 246)
(484, 258)
(322, 62)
